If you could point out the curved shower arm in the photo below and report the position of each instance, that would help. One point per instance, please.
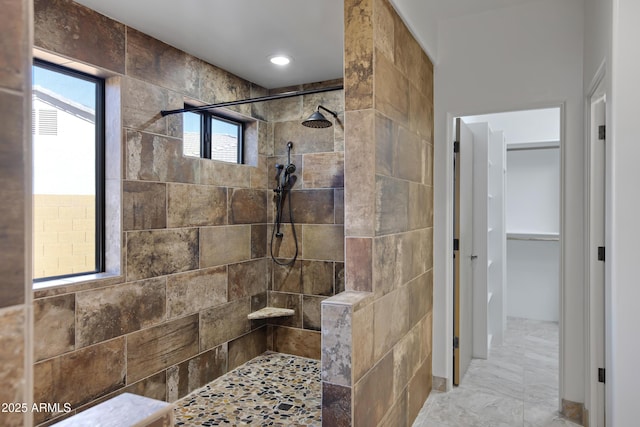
(334, 114)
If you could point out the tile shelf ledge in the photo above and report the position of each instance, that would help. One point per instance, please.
(270, 312)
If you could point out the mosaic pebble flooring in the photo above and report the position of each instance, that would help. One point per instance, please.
(272, 389)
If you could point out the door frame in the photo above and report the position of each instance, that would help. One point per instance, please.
(448, 222)
(597, 89)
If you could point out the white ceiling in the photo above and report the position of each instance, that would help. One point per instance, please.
(240, 35)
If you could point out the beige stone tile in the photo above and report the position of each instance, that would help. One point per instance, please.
(358, 54)
(420, 114)
(323, 242)
(258, 241)
(172, 251)
(224, 323)
(284, 248)
(287, 278)
(317, 278)
(152, 157)
(392, 205)
(311, 312)
(386, 135)
(406, 359)
(54, 326)
(388, 257)
(286, 109)
(338, 205)
(247, 278)
(75, 31)
(362, 327)
(391, 91)
(324, 170)
(359, 195)
(338, 283)
(154, 349)
(407, 50)
(110, 312)
(218, 85)
(194, 373)
(141, 106)
(247, 206)
(196, 205)
(12, 353)
(419, 389)
(225, 174)
(359, 264)
(224, 245)
(286, 300)
(420, 297)
(310, 207)
(144, 205)
(336, 405)
(409, 157)
(13, 193)
(298, 342)
(420, 206)
(188, 293)
(80, 376)
(391, 320)
(383, 28)
(397, 415)
(247, 347)
(153, 387)
(371, 400)
(305, 140)
(151, 60)
(333, 100)
(336, 343)
(15, 46)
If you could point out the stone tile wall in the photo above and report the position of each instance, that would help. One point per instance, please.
(317, 199)
(380, 333)
(15, 193)
(195, 232)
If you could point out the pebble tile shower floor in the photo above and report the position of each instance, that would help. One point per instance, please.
(272, 389)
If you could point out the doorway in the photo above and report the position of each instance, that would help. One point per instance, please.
(525, 282)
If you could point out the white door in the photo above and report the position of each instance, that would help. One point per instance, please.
(463, 234)
(596, 264)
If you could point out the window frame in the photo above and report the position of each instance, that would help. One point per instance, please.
(100, 159)
(206, 118)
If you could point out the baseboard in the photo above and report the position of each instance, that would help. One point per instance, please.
(439, 384)
(575, 411)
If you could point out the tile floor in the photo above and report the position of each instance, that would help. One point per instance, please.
(272, 389)
(517, 386)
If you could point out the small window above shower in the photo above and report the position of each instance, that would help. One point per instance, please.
(213, 137)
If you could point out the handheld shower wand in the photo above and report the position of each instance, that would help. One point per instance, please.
(283, 178)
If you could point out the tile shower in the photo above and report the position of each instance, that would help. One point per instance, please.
(166, 328)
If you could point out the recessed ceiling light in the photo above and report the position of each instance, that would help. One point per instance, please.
(279, 59)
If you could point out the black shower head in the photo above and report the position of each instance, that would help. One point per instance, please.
(317, 120)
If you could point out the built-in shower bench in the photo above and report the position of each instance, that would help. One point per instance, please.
(124, 410)
(270, 312)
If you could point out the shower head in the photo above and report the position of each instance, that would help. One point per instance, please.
(317, 120)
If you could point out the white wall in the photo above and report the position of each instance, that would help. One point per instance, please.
(623, 211)
(533, 191)
(538, 125)
(533, 291)
(520, 57)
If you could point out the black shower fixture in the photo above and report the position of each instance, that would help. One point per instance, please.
(317, 120)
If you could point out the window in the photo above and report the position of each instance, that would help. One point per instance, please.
(68, 172)
(212, 137)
